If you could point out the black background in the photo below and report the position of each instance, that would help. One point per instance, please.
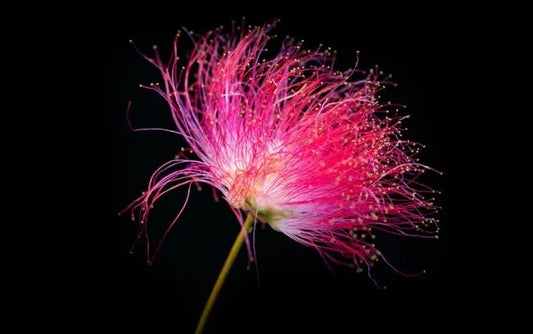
(296, 289)
(424, 49)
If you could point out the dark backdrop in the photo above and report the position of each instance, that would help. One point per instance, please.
(295, 292)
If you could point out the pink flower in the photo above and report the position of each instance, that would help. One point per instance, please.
(306, 149)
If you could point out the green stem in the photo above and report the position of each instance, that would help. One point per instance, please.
(224, 272)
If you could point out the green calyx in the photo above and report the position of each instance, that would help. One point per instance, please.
(268, 215)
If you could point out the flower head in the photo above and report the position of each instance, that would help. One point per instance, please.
(306, 149)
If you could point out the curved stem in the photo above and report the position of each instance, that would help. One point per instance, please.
(224, 272)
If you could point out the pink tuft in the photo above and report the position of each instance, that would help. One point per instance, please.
(308, 149)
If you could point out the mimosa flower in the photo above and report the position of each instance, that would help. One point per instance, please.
(306, 149)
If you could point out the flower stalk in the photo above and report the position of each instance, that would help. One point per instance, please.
(224, 272)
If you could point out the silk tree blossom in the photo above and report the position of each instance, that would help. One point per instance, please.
(304, 148)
